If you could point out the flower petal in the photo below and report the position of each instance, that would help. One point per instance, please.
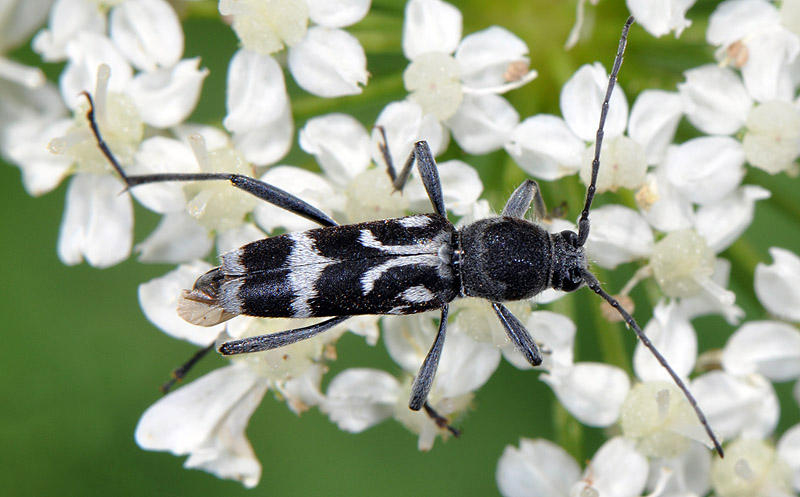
(663, 205)
(461, 187)
(337, 13)
(404, 124)
(715, 99)
(269, 143)
(483, 123)
(659, 17)
(97, 223)
(706, 169)
(466, 364)
(163, 155)
(771, 348)
(553, 331)
(430, 26)
(167, 96)
(237, 237)
(177, 238)
(616, 470)
(86, 52)
(591, 392)
(737, 406)
(256, 92)
(329, 63)
(723, 222)
(24, 143)
(776, 284)
(545, 147)
(767, 73)
(789, 451)
(618, 235)
(67, 19)
(148, 32)
(339, 143)
(485, 56)
(673, 335)
(206, 419)
(538, 467)
(581, 98)
(732, 21)
(654, 118)
(359, 398)
(706, 303)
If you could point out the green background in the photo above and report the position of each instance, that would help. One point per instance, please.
(81, 363)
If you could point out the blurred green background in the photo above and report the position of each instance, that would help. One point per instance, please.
(81, 363)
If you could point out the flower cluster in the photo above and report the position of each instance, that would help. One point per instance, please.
(688, 204)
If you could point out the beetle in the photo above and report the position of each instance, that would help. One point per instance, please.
(401, 266)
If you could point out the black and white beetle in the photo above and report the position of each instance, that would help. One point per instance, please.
(405, 265)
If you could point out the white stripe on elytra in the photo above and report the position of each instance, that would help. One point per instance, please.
(417, 294)
(367, 239)
(306, 265)
(425, 254)
(414, 221)
(372, 275)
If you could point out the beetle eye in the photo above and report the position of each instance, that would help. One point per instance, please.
(573, 281)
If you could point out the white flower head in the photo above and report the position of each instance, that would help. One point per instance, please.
(549, 147)
(323, 59)
(751, 467)
(750, 35)
(772, 141)
(540, 467)
(359, 398)
(462, 89)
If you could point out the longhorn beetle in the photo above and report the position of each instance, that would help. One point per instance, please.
(397, 266)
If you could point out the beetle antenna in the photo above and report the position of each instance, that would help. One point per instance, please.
(591, 282)
(583, 222)
(102, 143)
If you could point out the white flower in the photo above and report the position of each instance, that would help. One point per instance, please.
(360, 398)
(548, 147)
(462, 89)
(750, 35)
(752, 468)
(323, 59)
(772, 141)
(717, 103)
(215, 409)
(206, 420)
(148, 35)
(539, 467)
